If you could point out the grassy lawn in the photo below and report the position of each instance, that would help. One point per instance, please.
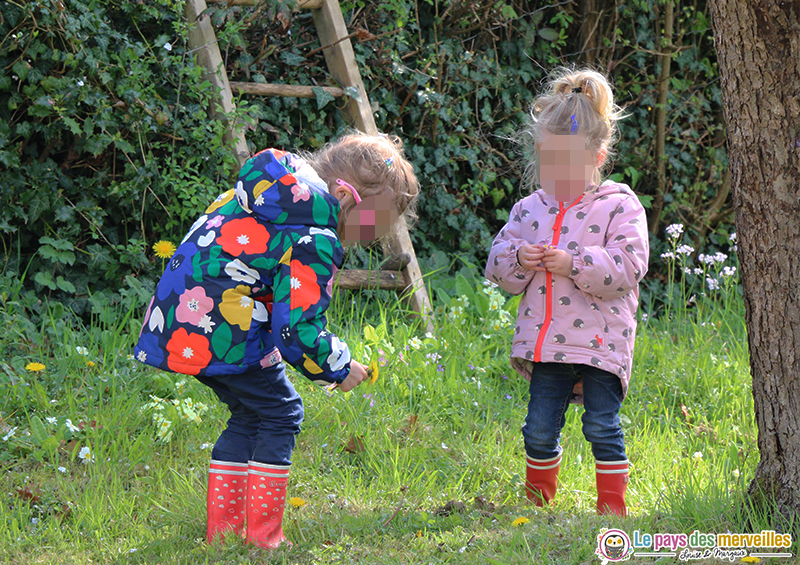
(105, 460)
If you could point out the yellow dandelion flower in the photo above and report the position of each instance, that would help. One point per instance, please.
(519, 521)
(296, 501)
(35, 367)
(751, 559)
(373, 371)
(90, 364)
(164, 249)
(419, 534)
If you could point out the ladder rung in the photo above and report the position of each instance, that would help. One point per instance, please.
(294, 90)
(352, 279)
(303, 4)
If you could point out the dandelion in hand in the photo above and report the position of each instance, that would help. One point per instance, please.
(35, 367)
(373, 371)
(164, 249)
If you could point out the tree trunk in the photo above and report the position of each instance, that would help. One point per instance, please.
(758, 47)
(589, 33)
(661, 116)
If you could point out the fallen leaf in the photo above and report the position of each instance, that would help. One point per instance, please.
(355, 445)
(484, 505)
(451, 507)
(29, 492)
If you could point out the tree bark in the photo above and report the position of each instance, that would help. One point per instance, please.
(758, 49)
(661, 116)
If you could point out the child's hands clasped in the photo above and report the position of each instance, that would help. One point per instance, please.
(557, 261)
(536, 257)
(358, 374)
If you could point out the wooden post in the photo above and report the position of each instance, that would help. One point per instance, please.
(203, 42)
(342, 64)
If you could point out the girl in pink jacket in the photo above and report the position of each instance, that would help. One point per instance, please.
(577, 249)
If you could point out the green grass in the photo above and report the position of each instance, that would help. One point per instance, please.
(436, 478)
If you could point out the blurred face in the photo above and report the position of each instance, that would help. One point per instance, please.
(565, 166)
(371, 219)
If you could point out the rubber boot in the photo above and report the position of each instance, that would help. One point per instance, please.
(612, 482)
(226, 502)
(266, 498)
(541, 479)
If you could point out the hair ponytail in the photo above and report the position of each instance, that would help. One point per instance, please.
(574, 101)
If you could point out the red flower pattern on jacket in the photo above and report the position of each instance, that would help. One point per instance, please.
(304, 287)
(244, 236)
(188, 352)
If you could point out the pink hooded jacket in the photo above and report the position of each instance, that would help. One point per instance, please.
(587, 318)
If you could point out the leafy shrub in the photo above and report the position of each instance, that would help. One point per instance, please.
(108, 145)
(106, 139)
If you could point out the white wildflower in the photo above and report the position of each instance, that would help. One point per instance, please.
(674, 230)
(86, 454)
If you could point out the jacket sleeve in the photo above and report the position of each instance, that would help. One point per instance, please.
(502, 266)
(301, 297)
(613, 270)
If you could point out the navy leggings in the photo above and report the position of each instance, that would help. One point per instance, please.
(266, 413)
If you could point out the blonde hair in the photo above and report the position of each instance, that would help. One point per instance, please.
(584, 94)
(373, 165)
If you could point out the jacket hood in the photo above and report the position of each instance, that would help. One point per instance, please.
(281, 188)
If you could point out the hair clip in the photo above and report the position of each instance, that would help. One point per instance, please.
(389, 162)
(574, 127)
(577, 90)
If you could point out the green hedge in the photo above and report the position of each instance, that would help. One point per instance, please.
(107, 145)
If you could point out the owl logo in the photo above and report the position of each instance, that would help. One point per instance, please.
(613, 546)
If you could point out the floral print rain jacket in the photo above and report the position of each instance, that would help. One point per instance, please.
(250, 283)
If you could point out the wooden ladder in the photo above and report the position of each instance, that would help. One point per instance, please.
(400, 271)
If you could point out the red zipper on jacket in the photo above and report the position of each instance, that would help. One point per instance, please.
(548, 293)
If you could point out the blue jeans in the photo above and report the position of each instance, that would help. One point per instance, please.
(266, 413)
(551, 389)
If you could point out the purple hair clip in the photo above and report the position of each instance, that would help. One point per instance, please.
(574, 128)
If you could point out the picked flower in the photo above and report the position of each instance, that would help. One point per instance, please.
(296, 501)
(35, 367)
(373, 371)
(164, 249)
(519, 521)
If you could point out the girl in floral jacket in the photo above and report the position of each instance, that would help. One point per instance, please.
(247, 289)
(577, 249)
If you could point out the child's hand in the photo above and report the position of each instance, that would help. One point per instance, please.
(358, 374)
(557, 261)
(530, 256)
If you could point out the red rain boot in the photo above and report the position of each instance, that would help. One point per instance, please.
(266, 498)
(612, 481)
(542, 479)
(227, 491)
